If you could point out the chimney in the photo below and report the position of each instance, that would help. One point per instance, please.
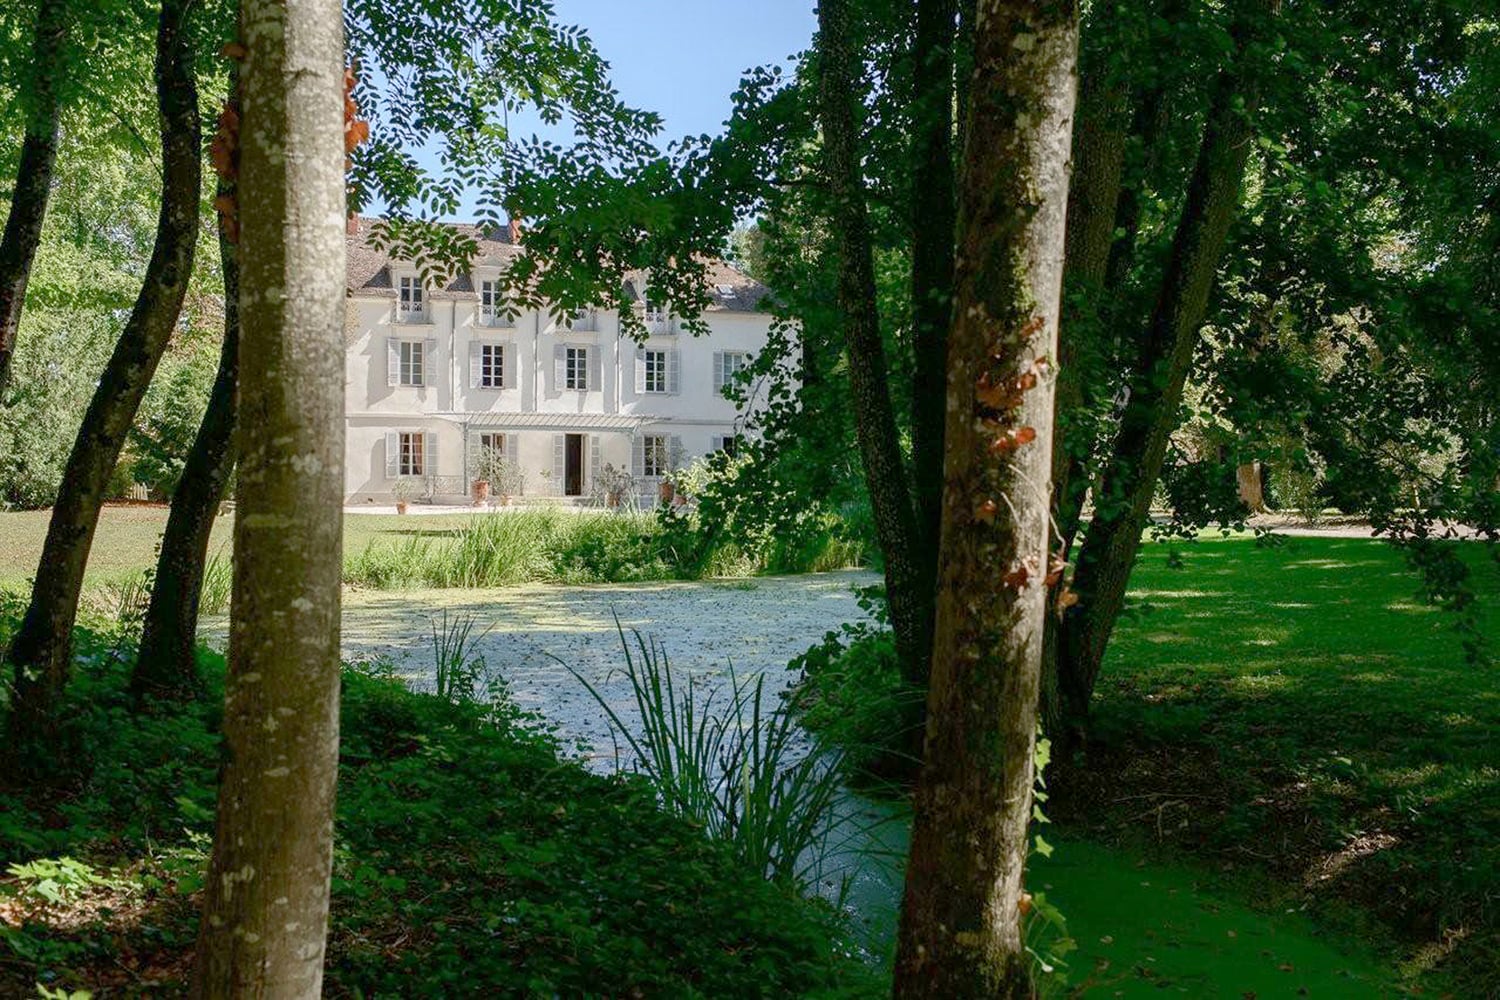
(515, 229)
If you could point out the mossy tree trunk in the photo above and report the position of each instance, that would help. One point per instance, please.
(28, 201)
(961, 933)
(265, 912)
(42, 648)
(1122, 504)
(907, 592)
(166, 665)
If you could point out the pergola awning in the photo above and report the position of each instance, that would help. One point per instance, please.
(550, 421)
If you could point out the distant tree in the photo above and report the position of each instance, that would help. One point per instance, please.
(265, 910)
(961, 918)
(41, 650)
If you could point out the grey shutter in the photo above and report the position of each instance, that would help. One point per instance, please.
(392, 361)
(674, 452)
(718, 372)
(513, 448)
(596, 460)
(474, 447)
(638, 456)
(559, 464)
(674, 372)
(392, 454)
(559, 367)
(640, 371)
(596, 374)
(429, 456)
(429, 365)
(508, 366)
(476, 364)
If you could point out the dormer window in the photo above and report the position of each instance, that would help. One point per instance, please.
(581, 319)
(656, 309)
(411, 304)
(492, 305)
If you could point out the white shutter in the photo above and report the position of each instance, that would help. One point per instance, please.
(596, 375)
(559, 464)
(718, 372)
(638, 456)
(674, 452)
(476, 364)
(508, 366)
(392, 361)
(429, 362)
(392, 455)
(429, 456)
(596, 460)
(640, 370)
(559, 367)
(513, 448)
(474, 448)
(674, 372)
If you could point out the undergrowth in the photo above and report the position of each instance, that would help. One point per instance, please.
(472, 859)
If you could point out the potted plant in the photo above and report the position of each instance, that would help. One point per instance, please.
(613, 485)
(509, 480)
(404, 489)
(666, 489)
(486, 472)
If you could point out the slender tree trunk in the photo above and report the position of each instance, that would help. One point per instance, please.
(1123, 503)
(932, 234)
(42, 648)
(28, 204)
(961, 933)
(265, 913)
(167, 665)
(1099, 136)
(874, 417)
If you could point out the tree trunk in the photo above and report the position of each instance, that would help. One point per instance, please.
(42, 648)
(1249, 482)
(265, 912)
(1099, 136)
(874, 417)
(166, 665)
(961, 923)
(933, 220)
(28, 203)
(1123, 502)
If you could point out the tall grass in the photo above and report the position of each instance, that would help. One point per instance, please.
(556, 546)
(744, 774)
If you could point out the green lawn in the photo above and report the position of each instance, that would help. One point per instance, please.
(125, 542)
(1298, 710)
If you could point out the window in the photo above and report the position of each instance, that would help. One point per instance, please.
(655, 309)
(654, 458)
(656, 370)
(491, 305)
(411, 307)
(492, 366)
(728, 364)
(413, 457)
(728, 444)
(576, 368)
(582, 320)
(492, 442)
(413, 362)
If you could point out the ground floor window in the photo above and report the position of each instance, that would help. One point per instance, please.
(490, 442)
(654, 457)
(728, 444)
(413, 456)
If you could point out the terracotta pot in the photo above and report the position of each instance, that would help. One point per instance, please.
(666, 490)
(401, 506)
(481, 491)
(613, 499)
(680, 500)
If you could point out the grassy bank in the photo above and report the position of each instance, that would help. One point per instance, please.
(1297, 718)
(497, 549)
(471, 860)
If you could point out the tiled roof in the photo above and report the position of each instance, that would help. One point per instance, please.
(369, 270)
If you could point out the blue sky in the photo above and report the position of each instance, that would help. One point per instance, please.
(682, 58)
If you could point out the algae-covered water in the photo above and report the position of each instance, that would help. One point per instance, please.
(1143, 928)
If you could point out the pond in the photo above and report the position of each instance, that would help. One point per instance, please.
(1143, 928)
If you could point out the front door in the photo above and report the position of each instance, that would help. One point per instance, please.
(573, 466)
